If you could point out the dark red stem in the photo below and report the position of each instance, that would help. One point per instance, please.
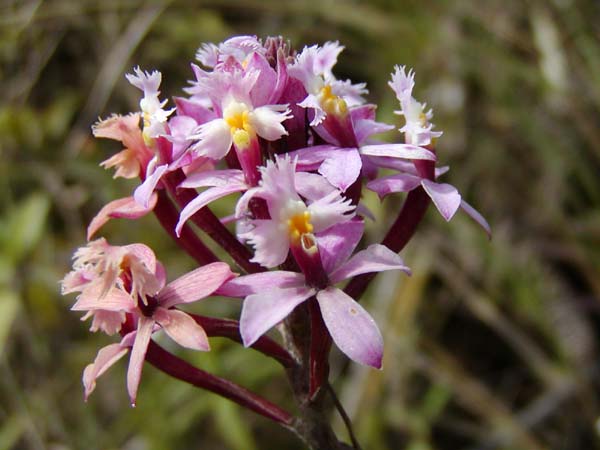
(211, 225)
(167, 215)
(182, 370)
(231, 329)
(320, 343)
(402, 230)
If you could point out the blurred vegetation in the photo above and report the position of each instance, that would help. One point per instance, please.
(489, 345)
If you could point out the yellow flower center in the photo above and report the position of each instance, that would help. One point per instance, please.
(299, 225)
(331, 103)
(146, 121)
(237, 116)
(238, 121)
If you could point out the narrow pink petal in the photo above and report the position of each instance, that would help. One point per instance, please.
(405, 151)
(108, 322)
(144, 191)
(275, 93)
(74, 281)
(342, 168)
(225, 220)
(242, 204)
(362, 112)
(142, 253)
(445, 197)
(118, 127)
(338, 242)
(364, 211)
(375, 258)
(312, 156)
(195, 110)
(312, 186)
(439, 171)
(263, 311)
(192, 164)
(114, 300)
(105, 358)
(400, 182)
(218, 178)
(366, 127)
(325, 134)
(195, 285)
(351, 327)
(160, 274)
(203, 199)
(387, 162)
(138, 353)
(104, 215)
(129, 339)
(126, 208)
(261, 91)
(182, 329)
(180, 129)
(477, 217)
(261, 282)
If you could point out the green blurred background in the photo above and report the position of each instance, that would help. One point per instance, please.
(489, 345)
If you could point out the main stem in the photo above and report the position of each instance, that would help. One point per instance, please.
(312, 423)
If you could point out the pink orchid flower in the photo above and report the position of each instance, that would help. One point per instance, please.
(271, 296)
(325, 94)
(292, 222)
(418, 131)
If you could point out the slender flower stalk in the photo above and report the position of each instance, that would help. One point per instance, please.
(230, 329)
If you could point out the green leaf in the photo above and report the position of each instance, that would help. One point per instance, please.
(232, 428)
(9, 306)
(12, 429)
(26, 225)
(7, 270)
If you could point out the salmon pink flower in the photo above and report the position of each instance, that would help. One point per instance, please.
(109, 278)
(103, 266)
(125, 129)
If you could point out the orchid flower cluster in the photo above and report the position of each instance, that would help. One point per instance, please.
(276, 129)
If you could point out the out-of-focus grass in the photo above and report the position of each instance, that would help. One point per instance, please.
(488, 345)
